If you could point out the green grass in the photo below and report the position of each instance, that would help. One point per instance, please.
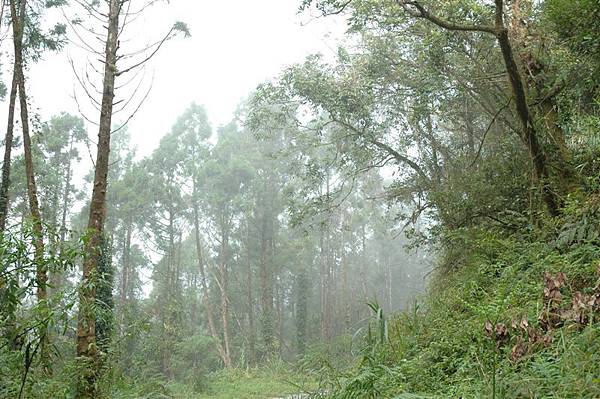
(243, 384)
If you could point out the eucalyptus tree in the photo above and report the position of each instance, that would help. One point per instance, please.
(167, 224)
(504, 23)
(263, 209)
(227, 175)
(404, 104)
(128, 211)
(194, 131)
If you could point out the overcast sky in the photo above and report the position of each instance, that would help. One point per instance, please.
(235, 45)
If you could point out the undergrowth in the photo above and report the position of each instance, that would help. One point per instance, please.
(515, 317)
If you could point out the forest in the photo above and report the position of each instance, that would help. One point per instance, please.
(412, 213)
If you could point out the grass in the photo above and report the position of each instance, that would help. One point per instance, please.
(243, 384)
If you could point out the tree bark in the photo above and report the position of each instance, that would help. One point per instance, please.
(302, 292)
(8, 144)
(86, 326)
(345, 288)
(528, 132)
(544, 110)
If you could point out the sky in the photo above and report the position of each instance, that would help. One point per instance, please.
(235, 45)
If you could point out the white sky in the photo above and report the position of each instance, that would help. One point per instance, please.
(235, 45)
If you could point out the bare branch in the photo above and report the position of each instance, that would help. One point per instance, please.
(149, 57)
(487, 130)
(136, 110)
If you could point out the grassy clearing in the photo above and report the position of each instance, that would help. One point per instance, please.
(250, 384)
(262, 383)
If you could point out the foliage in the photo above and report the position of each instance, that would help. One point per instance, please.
(503, 290)
(24, 324)
(269, 256)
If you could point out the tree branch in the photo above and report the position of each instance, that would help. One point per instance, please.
(416, 9)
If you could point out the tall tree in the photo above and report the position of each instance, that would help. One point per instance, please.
(115, 14)
(18, 17)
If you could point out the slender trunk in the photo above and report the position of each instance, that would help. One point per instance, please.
(528, 132)
(66, 197)
(363, 266)
(534, 71)
(59, 277)
(280, 309)
(325, 274)
(86, 326)
(388, 280)
(204, 282)
(168, 311)
(177, 283)
(125, 272)
(323, 285)
(59, 207)
(266, 282)
(302, 288)
(468, 118)
(18, 21)
(224, 294)
(8, 144)
(345, 289)
(250, 299)
(171, 264)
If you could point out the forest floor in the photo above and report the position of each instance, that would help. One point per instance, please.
(247, 384)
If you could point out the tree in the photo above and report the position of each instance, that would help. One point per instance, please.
(18, 22)
(528, 133)
(115, 14)
(28, 40)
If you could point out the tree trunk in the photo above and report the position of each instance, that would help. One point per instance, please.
(323, 285)
(388, 280)
(528, 132)
(363, 266)
(125, 273)
(266, 280)
(8, 144)
(208, 309)
(250, 299)
(86, 326)
(223, 282)
(545, 110)
(280, 306)
(345, 289)
(18, 21)
(66, 197)
(302, 288)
